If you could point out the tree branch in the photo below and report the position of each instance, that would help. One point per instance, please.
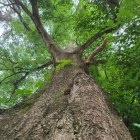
(38, 24)
(25, 9)
(5, 78)
(27, 72)
(96, 51)
(44, 65)
(94, 38)
(16, 82)
(26, 26)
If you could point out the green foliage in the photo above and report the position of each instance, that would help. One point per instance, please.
(63, 63)
(25, 92)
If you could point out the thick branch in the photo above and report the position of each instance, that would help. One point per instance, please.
(96, 51)
(94, 38)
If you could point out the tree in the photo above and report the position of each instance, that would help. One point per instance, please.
(73, 106)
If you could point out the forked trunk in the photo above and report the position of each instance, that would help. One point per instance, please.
(72, 108)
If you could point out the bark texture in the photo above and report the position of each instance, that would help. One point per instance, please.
(72, 108)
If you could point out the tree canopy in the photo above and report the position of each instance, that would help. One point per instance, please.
(26, 64)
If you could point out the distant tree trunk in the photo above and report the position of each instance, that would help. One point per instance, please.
(72, 108)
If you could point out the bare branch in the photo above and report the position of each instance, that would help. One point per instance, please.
(97, 50)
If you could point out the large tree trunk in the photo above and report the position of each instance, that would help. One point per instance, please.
(72, 108)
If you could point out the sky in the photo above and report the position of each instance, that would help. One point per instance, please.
(1, 29)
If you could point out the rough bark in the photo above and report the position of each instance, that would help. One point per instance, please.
(72, 108)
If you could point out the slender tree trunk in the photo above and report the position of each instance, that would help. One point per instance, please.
(72, 108)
